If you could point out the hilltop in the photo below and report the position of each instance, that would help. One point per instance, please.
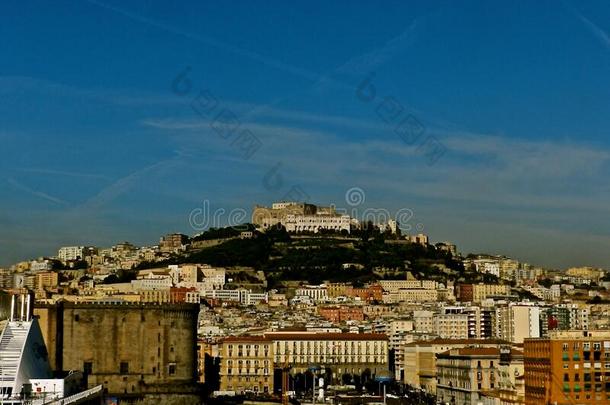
(359, 257)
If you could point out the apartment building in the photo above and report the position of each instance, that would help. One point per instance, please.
(517, 321)
(246, 364)
(480, 320)
(411, 295)
(423, 321)
(396, 285)
(419, 359)
(343, 353)
(47, 280)
(341, 313)
(335, 290)
(243, 296)
(317, 293)
(152, 281)
(568, 367)
(69, 253)
(468, 374)
(477, 293)
(451, 326)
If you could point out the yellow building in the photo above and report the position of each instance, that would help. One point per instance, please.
(416, 295)
(467, 375)
(342, 353)
(47, 280)
(334, 290)
(246, 364)
(418, 366)
(585, 272)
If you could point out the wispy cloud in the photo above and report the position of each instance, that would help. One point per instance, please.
(10, 85)
(36, 193)
(599, 33)
(126, 184)
(51, 172)
(210, 41)
(515, 169)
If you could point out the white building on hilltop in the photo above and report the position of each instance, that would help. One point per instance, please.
(316, 223)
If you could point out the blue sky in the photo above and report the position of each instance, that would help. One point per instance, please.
(98, 147)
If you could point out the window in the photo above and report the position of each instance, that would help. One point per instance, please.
(76, 318)
(87, 367)
(124, 367)
(172, 369)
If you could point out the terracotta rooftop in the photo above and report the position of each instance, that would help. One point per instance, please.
(246, 338)
(326, 336)
(439, 341)
(477, 351)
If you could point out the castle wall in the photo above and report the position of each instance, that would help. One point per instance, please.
(130, 348)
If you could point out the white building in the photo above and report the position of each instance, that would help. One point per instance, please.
(315, 223)
(487, 267)
(411, 295)
(395, 285)
(518, 321)
(423, 321)
(41, 265)
(317, 293)
(579, 316)
(244, 297)
(71, 253)
(152, 282)
(451, 326)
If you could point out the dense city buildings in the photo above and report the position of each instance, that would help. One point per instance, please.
(270, 310)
